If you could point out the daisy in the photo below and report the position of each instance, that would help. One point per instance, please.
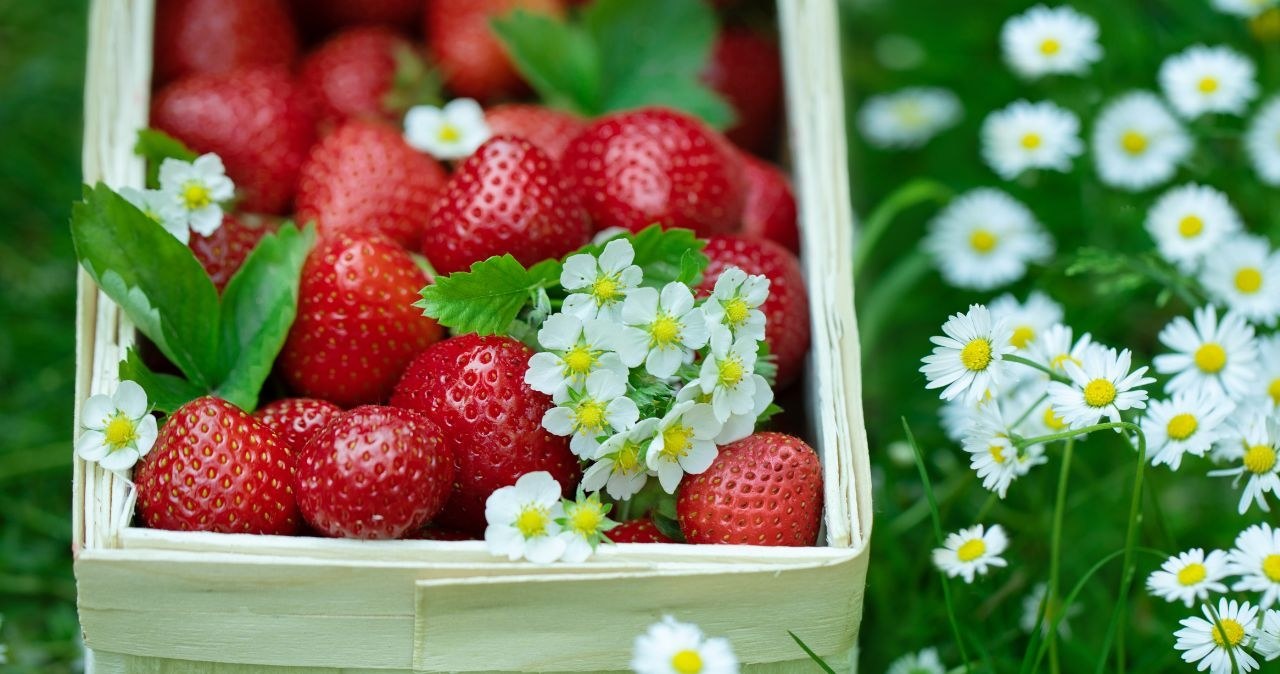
(1207, 640)
(620, 466)
(575, 350)
(1033, 604)
(451, 132)
(992, 454)
(604, 282)
(1218, 356)
(522, 520)
(725, 374)
(1244, 274)
(737, 426)
(1262, 141)
(1269, 367)
(197, 189)
(684, 443)
(1256, 559)
(118, 428)
(924, 662)
(1028, 135)
(1030, 404)
(969, 360)
(1255, 444)
(158, 206)
(1101, 386)
(971, 552)
(661, 330)
(1189, 222)
(1243, 8)
(984, 239)
(1136, 143)
(1044, 41)
(956, 415)
(585, 522)
(908, 118)
(1190, 577)
(1054, 349)
(1204, 79)
(1187, 424)
(1027, 320)
(600, 408)
(735, 303)
(671, 647)
(1268, 643)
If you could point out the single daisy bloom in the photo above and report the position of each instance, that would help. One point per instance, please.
(575, 350)
(924, 662)
(1027, 319)
(600, 408)
(735, 303)
(725, 374)
(451, 132)
(603, 283)
(1204, 79)
(1269, 366)
(522, 520)
(685, 443)
(1254, 442)
(197, 189)
(1136, 143)
(1054, 349)
(908, 118)
(1189, 423)
(1256, 560)
(1189, 222)
(1034, 603)
(1246, 9)
(992, 454)
(1028, 135)
(1262, 142)
(1050, 41)
(671, 647)
(1205, 642)
(1189, 577)
(1220, 356)
(985, 239)
(118, 428)
(661, 330)
(1101, 386)
(620, 467)
(736, 426)
(971, 552)
(968, 361)
(585, 522)
(1268, 643)
(1244, 274)
(160, 207)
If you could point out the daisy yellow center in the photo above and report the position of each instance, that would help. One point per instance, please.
(971, 550)
(1274, 390)
(1211, 358)
(997, 453)
(1099, 393)
(731, 372)
(665, 330)
(687, 661)
(591, 414)
(449, 133)
(1191, 574)
(1271, 567)
(736, 311)
(1052, 420)
(1031, 141)
(1022, 336)
(911, 114)
(1182, 426)
(586, 520)
(628, 458)
(532, 521)
(1133, 142)
(675, 441)
(1207, 85)
(1050, 46)
(606, 290)
(983, 241)
(1190, 226)
(120, 431)
(1060, 361)
(1249, 280)
(1233, 630)
(196, 196)
(578, 360)
(976, 355)
(1260, 459)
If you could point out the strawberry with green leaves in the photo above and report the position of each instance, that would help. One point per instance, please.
(370, 72)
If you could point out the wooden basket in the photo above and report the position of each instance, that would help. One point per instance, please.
(168, 602)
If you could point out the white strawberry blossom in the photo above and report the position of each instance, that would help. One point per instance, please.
(735, 303)
(522, 520)
(158, 206)
(661, 330)
(597, 410)
(196, 189)
(685, 443)
(118, 428)
(726, 375)
(574, 350)
(602, 283)
(620, 467)
(451, 132)
(737, 426)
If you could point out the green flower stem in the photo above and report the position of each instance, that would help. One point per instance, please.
(1222, 632)
(1119, 617)
(1043, 397)
(918, 191)
(1056, 376)
(1055, 550)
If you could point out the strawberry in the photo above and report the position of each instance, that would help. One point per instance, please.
(216, 36)
(770, 211)
(374, 472)
(295, 420)
(330, 13)
(474, 62)
(255, 119)
(222, 252)
(507, 197)
(356, 328)
(368, 72)
(549, 129)
(434, 534)
(765, 489)
(746, 69)
(364, 177)
(786, 312)
(642, 530)
(215, 468)
(636, 168)
(474, 388)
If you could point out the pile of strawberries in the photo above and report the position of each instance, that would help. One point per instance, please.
(400, 430)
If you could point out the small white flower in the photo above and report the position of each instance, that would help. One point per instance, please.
(451, 132)
(599, 409)
(620, 466)
(992, 454)
(606, 282)
(1055, 349)
(726, 374)
(735, 303)
(1268, 392)
(1029, 319)
(1190, 577)
(585, 522)
(671, 647)
(197, 189)
(1028, 135)
(924, 662)
(118, 429)
(985, 239)
(1101, 386)
(969, 360)
(737, 426)
(1244, 274)
(1262, 141)
(685, 443)
(1204, 79)
(908, 118)
(1256, 560)
(661, 330)
(1189, 423)
(1218, 356)
(1206, 641)
(522, 520)
(1254, 442)
(1032, 605)
(159, 206)
(1049, 41)
(574, 351)
(971, 552)
(1136, 143)
(1268, 643)
(1189, 222)
(1243, 8)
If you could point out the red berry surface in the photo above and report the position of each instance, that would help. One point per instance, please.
(353, 74)
(215, 36)
(770, 211)
(746, 68)
(548, 129)
(295, 420)
(222, 252)
(328, 14)
(472, 59)
(637, 531)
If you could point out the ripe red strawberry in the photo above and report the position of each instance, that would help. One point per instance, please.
(356, 328)
(255, 119)
(642, 530)
(746, 69)
(375, 473)
(770, 212)
(492, 420)
(765, 489)
(215, 468)
(331, 13)
(474, 62)
(222, 252)
(786, 312)
(507, 197)
(636, 168)
(216, 36)
(364, 178)
(548, 129)
(295, 420)
(355, 73)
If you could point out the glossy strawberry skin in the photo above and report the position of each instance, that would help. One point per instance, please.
(225, 250)
(352, 73)
(374, 473)
(356, 328)
(217, 36)
(255, 119)
(472, 59)
(364, 178)
(746, 68)
(507, 197)
(636, 168)
(637, 531)
(296, 420)
(474, 388)
(215, 468)
(786, 311)
(765, 489)
(548, 129)
(770, 211)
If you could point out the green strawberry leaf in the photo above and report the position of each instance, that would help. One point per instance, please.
(668, 525)
(557, 59)
(769, 412)
(414, 83)
(165, 391)
(156, 146)
(486, 299)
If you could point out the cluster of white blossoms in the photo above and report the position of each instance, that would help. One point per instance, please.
(190, 197)
(529, 520)
(450, 132)
(908, 118)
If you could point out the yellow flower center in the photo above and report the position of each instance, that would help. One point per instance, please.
(731, 372)
(1099, 393)
(196, 196)
(1182, 426)
(1274, 390)
(1022, 336)
(983, 241)
(606, 290)
(1050, 46)
(675, 441)
(911, 114)
(1133, 142)
(579, 360)
(971, 550)
(736, 311)
(585, 519)
(628, 458)
(1190, 226)
(665, 331)
(997, 453)
(1059, 361)
(1271, 568)
(449, 133)
(1191, 574)
(1052, 420)
(1260, 459)
(687, 661)
(976, 355)
(1208, 85)
(532, 521)
(1211, 358)
(1031, 141)
(1249, 280)
(120, 431)
(1234, 632)
(591, 415)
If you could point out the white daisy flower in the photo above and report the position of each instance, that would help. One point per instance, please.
(522, 520)
(735, 303)
(1027, 319)
(1190, 577)
(601, 408)
(118, 428)
(1254, 442)
(452, 132)
(1101, 386)
(1050, 41)
(661, 330)
(1268, 643)
(968, 361)
(924, 662)
(1028, 135)
(908, 118)
(971, 552)
(1256, 560)
(1206, 641)
(956, 415)
(1032, 605)
(1218, 356)
(160, 207)
(1204, 79)
(605, 282)
(1262, 142)
(992, 454)
(1189, 423)
(620, 466)
(575, 350)
(1189, 222)
(671, 647)
(585, 522)
(1269, 367)
(1244, 274)
(1054, 349)
(1136, 143)
(197, 189)
(1243, 8)
(737, 426)
(984, 239)
(725, 374)
(685, 443)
